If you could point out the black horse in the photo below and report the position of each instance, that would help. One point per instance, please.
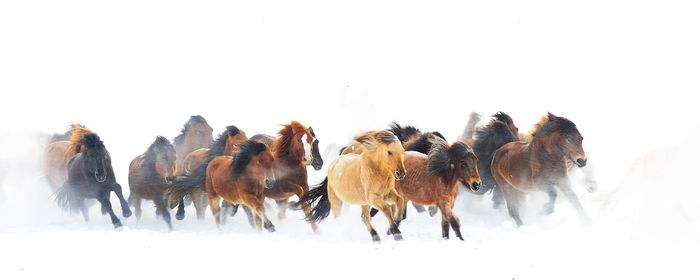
(90, 175)
(498, 132)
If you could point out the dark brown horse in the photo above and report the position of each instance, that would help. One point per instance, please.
(241, 180)
(90, 175)
(148, 175)
(434, 179)
(195, 134)
(540, 165)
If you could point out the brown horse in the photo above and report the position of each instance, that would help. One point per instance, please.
(434, 179)
(540, 165)
(367, 179)
(241, 180)
(59, 153)
(195, 134)
(294, 148)
(148, 175)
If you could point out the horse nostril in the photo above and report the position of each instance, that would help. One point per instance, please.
(581, 162)
(476, 186)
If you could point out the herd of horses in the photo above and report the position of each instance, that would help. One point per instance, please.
(380, 170)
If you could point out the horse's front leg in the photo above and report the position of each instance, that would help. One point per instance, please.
(117, 189)
(103, 198)
(565, 187)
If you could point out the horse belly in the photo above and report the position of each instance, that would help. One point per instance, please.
(344, 181)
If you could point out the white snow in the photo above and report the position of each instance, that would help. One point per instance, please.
(624, 71)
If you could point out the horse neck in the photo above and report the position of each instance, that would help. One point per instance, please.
(539, 154)
(370, 164)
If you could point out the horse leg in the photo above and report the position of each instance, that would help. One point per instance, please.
(549, 206)
(379, 203)
(419, 208)
(497, 198)
(512, 198)
(135, 200)
(180, 214)
(282, 205)
(215, 209)
(336, 203)
(261, 220)
(249, 214)
(565, 188)
(83, 209)
(199, 205)
(103, 198)
(117, 189)
(432, 210)
(299, 192)
(365, 219)
(160, 206)
(448, 216)
(444, 222)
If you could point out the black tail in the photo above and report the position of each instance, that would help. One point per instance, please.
(183, 185)
(323, 206)
(62, 197)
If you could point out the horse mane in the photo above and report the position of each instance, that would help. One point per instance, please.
(194, 120)
(78, 132)
(423, 143)
(441, 158)
(501, 116)
(403, 133)
(371, 139)
(151, 154)
(286, 146)
(91, 141)
(218, 147)
(249, 149)
(551, 123)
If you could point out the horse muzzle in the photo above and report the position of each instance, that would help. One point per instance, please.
(581, 162)
(269, 183)
(475, 186)
(317, 164)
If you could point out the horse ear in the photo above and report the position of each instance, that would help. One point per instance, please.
(551, 116)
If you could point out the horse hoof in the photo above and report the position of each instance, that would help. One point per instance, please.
(388, 232)
(271, 229)
(179, 216)
(126, 213)
(398, 237)
(117, 225)
(460, 238)
(375, 238)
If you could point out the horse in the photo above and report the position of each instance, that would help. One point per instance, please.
(540, 165)
(434, 179)
(90, 175)
(58, 153)
(226, 144)
(470, 131)
(241, 180)
(195, 134)
(489, 138)
(148, 175)
(367, 179)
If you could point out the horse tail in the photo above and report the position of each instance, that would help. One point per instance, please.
(184, 185)
(323, 206)
(62, 197)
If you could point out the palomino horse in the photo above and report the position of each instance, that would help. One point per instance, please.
(367, 179)
(540, 165)
(90, 175)
(434, 180)
(195, 134)
(59, 153)
(148, 175)
(241, 179)
(226, 144)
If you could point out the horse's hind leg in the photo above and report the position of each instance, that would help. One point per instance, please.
(160, 205)
(199, 204)
(107, 206)
(180, 214)
(117, 189)
(215, 209)
(136, 202)
(549, 206)
(365, 219)
(513, 200)
(282, 205)
(497, 198)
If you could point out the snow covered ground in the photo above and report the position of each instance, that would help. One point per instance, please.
(623, 71)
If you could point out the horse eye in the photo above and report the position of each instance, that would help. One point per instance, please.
(390, 153)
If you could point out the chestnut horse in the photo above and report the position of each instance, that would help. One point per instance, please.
(58, 153)
(540, 165)
(195, 134)
(148, 175)
(90, 175)
(241, 179)
(367, 179)
(434, 179)
(226, 144)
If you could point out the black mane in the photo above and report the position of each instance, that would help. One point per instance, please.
(249, 149)
(557, 124)
(160, 145)
(403, 133)
(442, 157)
(218, 147)
(424, 142)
